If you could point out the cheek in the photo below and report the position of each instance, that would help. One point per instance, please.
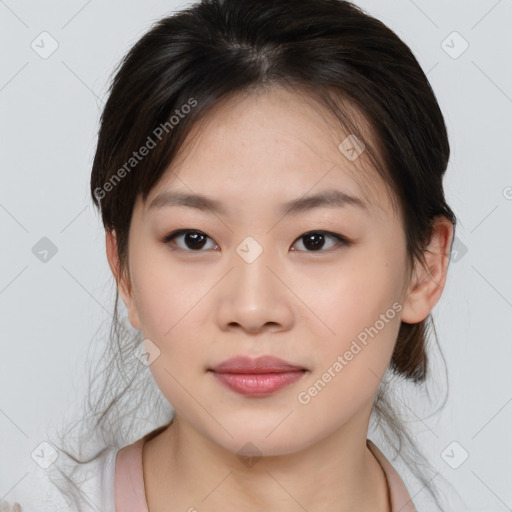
(350, 296)
(166, 292)
(354, 359)
(170, 307)
(360, 311)
(171, 301)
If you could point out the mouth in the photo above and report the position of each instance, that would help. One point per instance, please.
(258, 384)
(262, 376)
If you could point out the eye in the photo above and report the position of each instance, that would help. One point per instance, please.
(193, 239)
(315, 240)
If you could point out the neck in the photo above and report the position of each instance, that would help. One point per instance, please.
(183, 469)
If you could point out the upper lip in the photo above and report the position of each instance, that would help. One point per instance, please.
(261, 364)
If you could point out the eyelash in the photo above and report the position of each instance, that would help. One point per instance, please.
(168, 239)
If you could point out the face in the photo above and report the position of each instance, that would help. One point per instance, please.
(250, 276)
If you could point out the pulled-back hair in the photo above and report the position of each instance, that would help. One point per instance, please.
(189, 62)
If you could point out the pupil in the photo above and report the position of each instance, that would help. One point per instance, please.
(314, 244)
(194, 240)
(313, 241)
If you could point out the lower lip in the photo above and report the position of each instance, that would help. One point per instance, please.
(258, 384)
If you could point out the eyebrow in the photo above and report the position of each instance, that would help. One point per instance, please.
(325, 199)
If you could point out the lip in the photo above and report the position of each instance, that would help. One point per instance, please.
(259, 376)
(261, 364)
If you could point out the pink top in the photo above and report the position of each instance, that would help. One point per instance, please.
(130, 493)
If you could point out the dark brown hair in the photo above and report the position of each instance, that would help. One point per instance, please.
(330, 51)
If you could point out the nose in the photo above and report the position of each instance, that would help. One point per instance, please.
(254, 296)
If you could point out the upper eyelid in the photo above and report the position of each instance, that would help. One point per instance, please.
(174, 234)
(180, 232)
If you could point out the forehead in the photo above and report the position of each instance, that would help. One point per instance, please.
(270, 146)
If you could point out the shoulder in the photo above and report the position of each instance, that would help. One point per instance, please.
(66, 486)
(398, 492)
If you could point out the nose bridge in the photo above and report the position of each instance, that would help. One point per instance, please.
(253, 296)
(251, 273)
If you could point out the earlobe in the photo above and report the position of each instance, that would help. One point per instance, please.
(123, 285)
(428, 282)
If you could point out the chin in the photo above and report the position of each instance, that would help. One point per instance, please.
(257, 443)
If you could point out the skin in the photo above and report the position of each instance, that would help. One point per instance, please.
(202, 306)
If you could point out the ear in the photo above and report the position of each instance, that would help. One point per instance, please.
(123, 283)
(427, 284)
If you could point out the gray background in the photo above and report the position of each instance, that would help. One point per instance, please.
(50, 310)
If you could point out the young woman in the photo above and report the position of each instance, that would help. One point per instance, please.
(269, 176)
